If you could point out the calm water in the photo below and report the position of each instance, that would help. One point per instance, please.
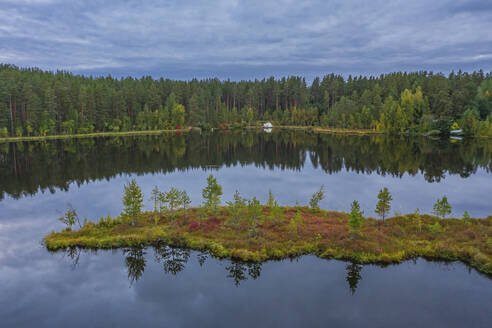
(176, 288)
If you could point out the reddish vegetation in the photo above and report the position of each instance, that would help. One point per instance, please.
(323, 233)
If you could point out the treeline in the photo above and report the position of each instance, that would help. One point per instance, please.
(35, 102)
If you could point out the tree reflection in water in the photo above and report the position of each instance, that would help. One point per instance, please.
(135, 262)
(174, 261)
(353, 276)
(27, 167)
(237, 271)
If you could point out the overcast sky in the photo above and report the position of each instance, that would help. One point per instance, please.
(246, 39)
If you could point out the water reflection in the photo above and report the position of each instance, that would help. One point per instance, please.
(173, 261)
(135, 262)
(353, 276)
(26, 167)
(238, 271)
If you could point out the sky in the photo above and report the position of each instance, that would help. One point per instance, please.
(246, 39)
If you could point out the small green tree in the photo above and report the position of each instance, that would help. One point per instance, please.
(418, 219)
(436, 227)
(293, 226)
(277, 214)
(442, 207)
(355, 217)
(271, 202)
(466, 217)
(254, 209)
(132, 201)
(316, 198)
(185, 201)
(384, 203)
(155, 196)
(170, 200)
(236, 208)
(211, 193)
(70, 218)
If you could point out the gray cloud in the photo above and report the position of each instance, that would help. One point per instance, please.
(245, 39)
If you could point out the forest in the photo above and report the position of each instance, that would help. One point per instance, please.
(34, 102)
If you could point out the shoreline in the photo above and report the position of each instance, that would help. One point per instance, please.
(315, 129)
(325, 234)
(157, 132)
(93, 135)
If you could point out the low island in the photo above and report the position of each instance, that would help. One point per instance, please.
(249, 231)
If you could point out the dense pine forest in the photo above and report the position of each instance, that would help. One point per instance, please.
(34, 102)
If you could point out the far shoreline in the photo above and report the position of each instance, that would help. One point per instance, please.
(315, 129)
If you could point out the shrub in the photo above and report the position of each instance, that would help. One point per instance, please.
(194, 225)
(277, 214)
(254, 209)
(4, 132)
(435, 228)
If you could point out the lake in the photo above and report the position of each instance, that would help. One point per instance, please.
(180, 288)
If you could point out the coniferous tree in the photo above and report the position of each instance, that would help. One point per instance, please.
(384, 203)
(355, 216)
(211, 193)
(316, 198)
(132, 201)
(442, 208)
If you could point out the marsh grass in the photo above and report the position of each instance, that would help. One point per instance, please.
(322, 233)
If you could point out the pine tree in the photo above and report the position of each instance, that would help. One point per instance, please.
(384, 203)
(271, 202)
(418, 219)
(185, 201)
(132, 201)
(355, 217)
(442, 207)
(316, 198)
(236, 208)
(170, 200)
(211, 193)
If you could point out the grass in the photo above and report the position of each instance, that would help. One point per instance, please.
(322, 233)
(89, 135)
